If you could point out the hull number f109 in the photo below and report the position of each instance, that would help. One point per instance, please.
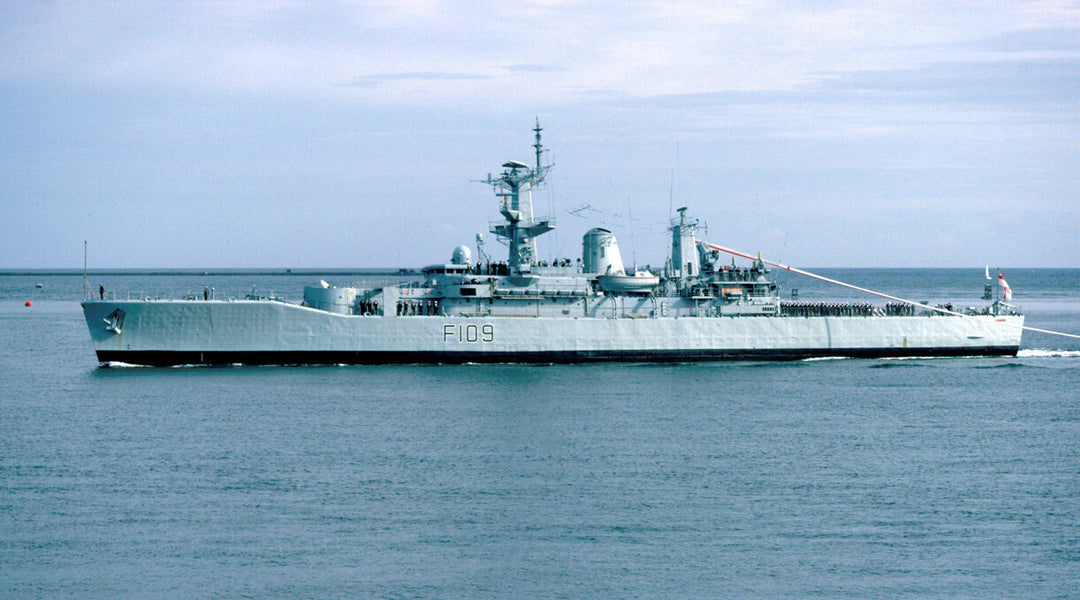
(470, 333)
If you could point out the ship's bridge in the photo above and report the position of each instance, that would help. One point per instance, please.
(450, 269)
(448, 274)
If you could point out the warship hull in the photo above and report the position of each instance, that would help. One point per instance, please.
(178, 332)
(528, 309)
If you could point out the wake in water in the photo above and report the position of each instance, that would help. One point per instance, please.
(1041, 353)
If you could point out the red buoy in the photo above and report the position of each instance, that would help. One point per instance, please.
(29, 303)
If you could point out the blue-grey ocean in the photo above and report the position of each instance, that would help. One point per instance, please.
(918, 478)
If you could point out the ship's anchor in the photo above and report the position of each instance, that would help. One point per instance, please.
(115, 321)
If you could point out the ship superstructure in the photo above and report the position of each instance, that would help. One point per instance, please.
(524, 309)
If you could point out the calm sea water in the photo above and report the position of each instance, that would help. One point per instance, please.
(942, 478)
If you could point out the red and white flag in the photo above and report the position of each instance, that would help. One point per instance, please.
(1006, 291)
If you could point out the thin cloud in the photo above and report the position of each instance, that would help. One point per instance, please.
(380, 78)
(1011, 82)
(527, 68)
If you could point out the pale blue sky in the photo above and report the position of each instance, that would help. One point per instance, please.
(347, 134)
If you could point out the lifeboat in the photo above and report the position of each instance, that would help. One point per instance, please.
(640, 281)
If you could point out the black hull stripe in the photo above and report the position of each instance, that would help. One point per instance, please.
(169, 358)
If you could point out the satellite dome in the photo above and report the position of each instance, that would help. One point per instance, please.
(462, 256)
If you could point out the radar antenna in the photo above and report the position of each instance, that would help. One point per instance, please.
(539, 147)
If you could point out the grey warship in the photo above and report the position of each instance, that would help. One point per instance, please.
(698, 307)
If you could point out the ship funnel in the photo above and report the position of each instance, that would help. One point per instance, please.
(600, 253)
(684, 256)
